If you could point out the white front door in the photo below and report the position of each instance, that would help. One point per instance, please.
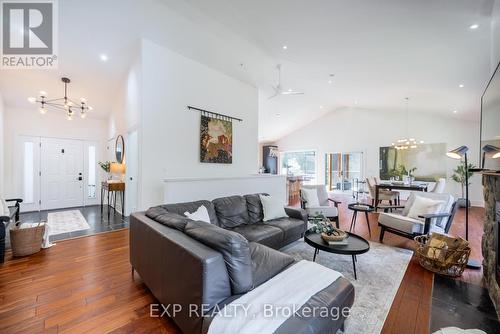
(61, 173)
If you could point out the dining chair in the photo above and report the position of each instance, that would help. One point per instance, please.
(383, 195)
(439, 187)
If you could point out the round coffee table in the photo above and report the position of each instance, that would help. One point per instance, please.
(355, 245)
(360, 207)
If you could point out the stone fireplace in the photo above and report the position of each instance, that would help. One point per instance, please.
(491, 240)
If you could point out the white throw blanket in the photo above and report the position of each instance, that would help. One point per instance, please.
(267, 307)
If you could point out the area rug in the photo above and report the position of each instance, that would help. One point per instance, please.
(380, 272)
(66, 221)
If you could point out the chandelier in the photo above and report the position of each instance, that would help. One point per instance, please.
(69, 106)
(406, 142)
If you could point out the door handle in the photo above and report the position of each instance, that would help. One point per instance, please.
(80, 178)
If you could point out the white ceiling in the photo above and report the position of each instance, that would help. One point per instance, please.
(380, 52)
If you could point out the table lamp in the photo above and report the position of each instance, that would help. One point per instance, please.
(117, 168)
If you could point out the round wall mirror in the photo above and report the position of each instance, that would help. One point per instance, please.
(119, 149)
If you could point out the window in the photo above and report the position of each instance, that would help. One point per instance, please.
(28, 165)
(301, 163)
(343, 171)
(91, 179)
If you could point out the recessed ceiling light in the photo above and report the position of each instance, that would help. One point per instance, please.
(455, 111)
(474, 26)
(320, 107)
(285, 47)
(461, 86)
(103, 57)
(330, 81)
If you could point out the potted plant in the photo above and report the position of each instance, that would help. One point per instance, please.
(459, 177)
(324, 226)
(400, 172)
(106, 166)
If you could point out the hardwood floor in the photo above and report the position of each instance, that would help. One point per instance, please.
(84, 285)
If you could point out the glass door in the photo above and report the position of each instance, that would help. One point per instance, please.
(343, 171)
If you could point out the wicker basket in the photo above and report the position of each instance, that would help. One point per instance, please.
(341, 235)
(450, 262)
(26, 241)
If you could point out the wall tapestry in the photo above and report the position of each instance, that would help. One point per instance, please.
(216, 140)
(426, 163)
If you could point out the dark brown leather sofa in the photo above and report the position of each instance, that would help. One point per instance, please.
(201, 267)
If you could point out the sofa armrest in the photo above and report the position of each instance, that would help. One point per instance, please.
(335, 202)
(386, 208)
(17, 200)
(434, 215)
(296, 213)
(177, 269)
(428, 217)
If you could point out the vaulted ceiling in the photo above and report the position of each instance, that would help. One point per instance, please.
(378, 51)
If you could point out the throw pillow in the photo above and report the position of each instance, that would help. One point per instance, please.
(201, 215)
(311, 197)
(273, 208)
(422, 206)
(234, 249)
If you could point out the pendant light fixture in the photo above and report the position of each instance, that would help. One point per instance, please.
(407, 142)
(69, 106)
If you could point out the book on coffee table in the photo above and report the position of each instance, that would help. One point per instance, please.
(338, 243)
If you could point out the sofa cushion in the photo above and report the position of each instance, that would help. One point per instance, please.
(401, 223)
(234, 249)
(267, 262)
(170, 219)
(292, 228)
(262, 233)
(254, 208)
(180, 208)
(231, 211)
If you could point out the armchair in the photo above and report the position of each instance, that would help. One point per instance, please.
(400, 224)
(324, 208)
(5, 221)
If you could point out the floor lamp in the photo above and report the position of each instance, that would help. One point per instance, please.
(459, 153)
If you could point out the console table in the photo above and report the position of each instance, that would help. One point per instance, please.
(112, 188)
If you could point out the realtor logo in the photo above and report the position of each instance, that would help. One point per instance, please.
(29, 34)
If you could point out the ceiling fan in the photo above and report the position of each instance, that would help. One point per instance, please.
(278, 89)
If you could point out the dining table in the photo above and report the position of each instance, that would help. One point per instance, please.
(413, 186)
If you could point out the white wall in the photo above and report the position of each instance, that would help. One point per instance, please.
(124, 118)
(2, 148)
(359, 130)
(495, 36)
(170, 133)
(29, 122)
